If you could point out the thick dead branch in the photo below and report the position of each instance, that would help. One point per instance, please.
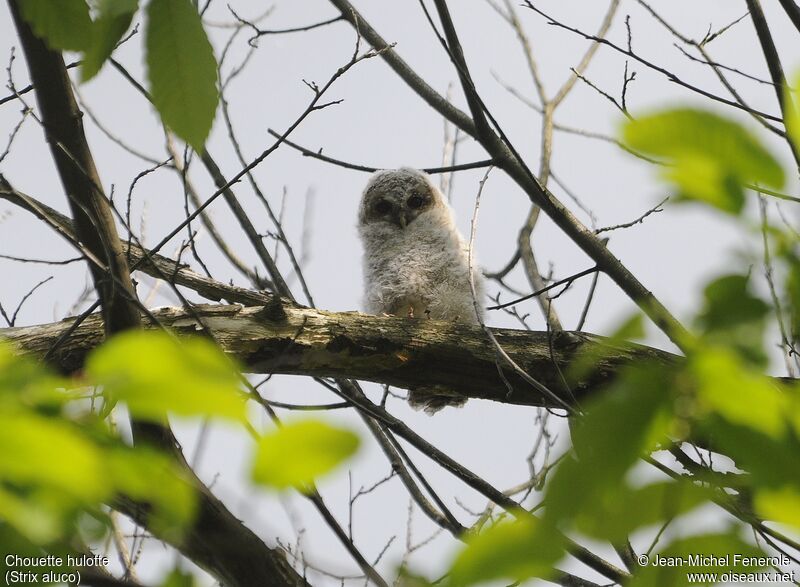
(283, 338)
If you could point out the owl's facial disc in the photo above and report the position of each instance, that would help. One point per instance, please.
(398, 198)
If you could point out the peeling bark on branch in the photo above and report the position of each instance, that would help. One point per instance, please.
(283, 338)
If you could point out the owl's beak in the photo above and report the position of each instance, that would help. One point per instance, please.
(401, 220)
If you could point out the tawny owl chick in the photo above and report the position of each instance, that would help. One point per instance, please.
(415, 261)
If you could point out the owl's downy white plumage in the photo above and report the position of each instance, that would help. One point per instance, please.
(415, 260)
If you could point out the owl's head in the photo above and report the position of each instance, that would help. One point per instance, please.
(397, 197)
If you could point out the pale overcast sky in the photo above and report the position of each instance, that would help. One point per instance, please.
(382, 123)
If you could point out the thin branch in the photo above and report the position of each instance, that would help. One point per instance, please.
(367, 169)
(205, 218)
(224, 187)
(258, 32)
(41, 261)
(565, 281)
(590, 52)
(13, 319)
(313, 106)
(775, 68)
(792, 11)
(654, 210)
(29, 88)
(669, 75)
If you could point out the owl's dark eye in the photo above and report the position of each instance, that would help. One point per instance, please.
(383, 207)
(416, 201)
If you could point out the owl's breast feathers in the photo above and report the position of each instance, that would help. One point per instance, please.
(423, 267)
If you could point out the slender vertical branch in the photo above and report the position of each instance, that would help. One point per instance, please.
(792, 11)
(774, 66)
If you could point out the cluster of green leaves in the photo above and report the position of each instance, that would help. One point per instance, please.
(709, 158)
(719, 396)
(60, 461)
(180, 60)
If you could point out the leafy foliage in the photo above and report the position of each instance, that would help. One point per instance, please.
(792, 97)
(154, 373)
(180, 60)
(709, 158)
(58, 461)
(65, 25)
(732, 315)
(113, 19)
(297, 453)
(182, 69)
(515, 550)
(719, 395)
(178, 578)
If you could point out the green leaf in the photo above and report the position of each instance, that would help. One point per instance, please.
(709, 158)
(15, 543)
(583, 364)
(704, 180)
(709, 553)
(629, 419)
(725, 386)
(771, 462)
(728, 303)
(182, 69)
(178, 578)
(112, 20)
(779, 505)
(792, 97)
(297, 453)
(516, 551)
(792, 286)
(631, 328)
(622, 510)
(154, 373)
(59, 463)
(23, 380)
(151, 477)
(734, 317)
(63, 24)
(46, 451)
(37, 519)
(49, 470)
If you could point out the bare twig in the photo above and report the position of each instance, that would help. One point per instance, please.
(654, 210)
(368, 169)
(669, 75)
